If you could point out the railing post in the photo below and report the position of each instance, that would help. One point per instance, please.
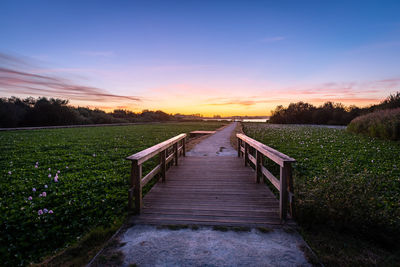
(258, 166)
(176, 156)
(136, 176)
(239, 146)
(184, 147)
(283, 195)
(130, 197)
(163, 156)
(290, 190)
(246, 154)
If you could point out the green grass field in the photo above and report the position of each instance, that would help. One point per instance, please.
(90, 189)
(342, 181)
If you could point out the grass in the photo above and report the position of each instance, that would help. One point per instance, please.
(91, 187)
(80, 253)
(345, 183)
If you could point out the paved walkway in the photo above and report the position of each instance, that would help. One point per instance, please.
(217, 144)
(149, 246)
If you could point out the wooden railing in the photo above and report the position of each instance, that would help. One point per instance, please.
(168, 150)
(247, 146)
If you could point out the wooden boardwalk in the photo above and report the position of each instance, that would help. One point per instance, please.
(210, 191)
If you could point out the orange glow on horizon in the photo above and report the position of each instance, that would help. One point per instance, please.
(226, 110)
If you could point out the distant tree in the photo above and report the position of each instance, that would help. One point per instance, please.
(16, 112)
(328, 113)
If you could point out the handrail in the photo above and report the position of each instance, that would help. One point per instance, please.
(285, 184)
(178, 143)
(148, 153)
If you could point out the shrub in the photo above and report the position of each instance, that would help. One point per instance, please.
(382, 124)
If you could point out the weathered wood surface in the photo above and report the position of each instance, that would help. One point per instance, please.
(210, 191)
(285, 182)
(197, 133)
(202, 132)
(269, 152)
(150, 152)
(168, 150)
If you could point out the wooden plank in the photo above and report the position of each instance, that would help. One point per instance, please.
(271, 153)
(151, 174)
(169, 158)
(219, 219)
(202, 132)
(218, 204)
(211, 212)
(164, 221)
(238, 208)
(271, 178)
(252, 159)
(148, 153)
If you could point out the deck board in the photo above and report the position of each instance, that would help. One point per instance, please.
(217, 191)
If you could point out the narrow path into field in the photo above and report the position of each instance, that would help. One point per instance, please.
(228, 231)
(217, 144)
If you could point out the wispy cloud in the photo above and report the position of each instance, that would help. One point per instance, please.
(16, 80)
(273, 39)
(348, 93)
(247, 102)
(98, 53)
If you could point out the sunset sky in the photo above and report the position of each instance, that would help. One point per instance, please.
(207, 57)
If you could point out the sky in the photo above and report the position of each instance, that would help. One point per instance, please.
(206, 57)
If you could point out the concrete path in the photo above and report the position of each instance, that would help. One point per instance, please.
(217, 144)
(149, 246)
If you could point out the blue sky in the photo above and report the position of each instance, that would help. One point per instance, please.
(209, 57)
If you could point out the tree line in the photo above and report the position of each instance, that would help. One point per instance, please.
(329, 113)
(17, 112)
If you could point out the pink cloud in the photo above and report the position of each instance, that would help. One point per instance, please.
(33, 84)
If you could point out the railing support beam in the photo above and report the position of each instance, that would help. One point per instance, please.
(163, 165)
(184, 147)
(283, 193)
(258, 164)
(289, 182)
(176, 155)
(246, 154)
(239, 146)
(136, 176)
